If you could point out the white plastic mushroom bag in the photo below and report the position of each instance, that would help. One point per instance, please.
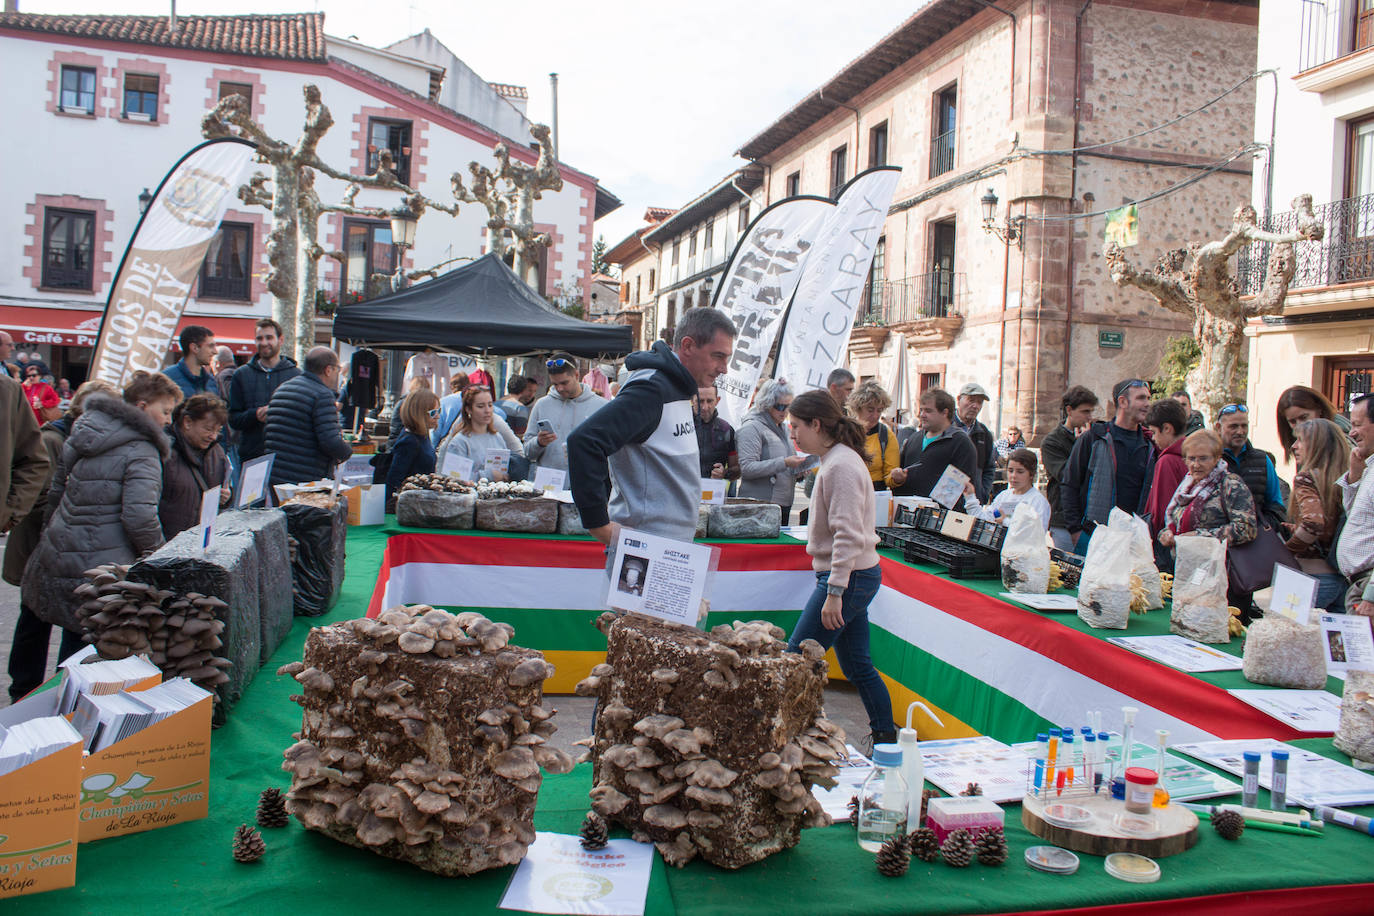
(1199, 610)
(1104, 590)
(1025, 556)
(1142, 555)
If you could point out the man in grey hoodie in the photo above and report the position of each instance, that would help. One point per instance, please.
(645, 440)
(567, 404)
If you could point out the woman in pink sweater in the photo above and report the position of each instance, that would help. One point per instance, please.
(843, 547)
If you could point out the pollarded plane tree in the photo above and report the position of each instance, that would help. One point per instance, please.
(1207, 292)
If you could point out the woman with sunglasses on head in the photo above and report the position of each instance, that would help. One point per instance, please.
(475, 433)
(843, 549)
(1301, 403)
(1317, 511)
(412, 452)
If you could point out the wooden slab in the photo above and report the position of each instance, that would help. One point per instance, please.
(1176, 833)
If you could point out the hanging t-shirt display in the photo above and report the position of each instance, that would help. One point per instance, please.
(362, 379)
(433, 366)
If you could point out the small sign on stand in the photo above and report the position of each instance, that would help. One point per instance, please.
(713, 491)
(497, 464)
(661, 577)
(549, 480)
(209, 508)
(253, 480)
(455, 465)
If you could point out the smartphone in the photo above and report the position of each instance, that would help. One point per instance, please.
(544, 426)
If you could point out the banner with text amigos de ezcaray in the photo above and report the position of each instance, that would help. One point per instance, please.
(164, 257)
(832, 282)
(756, 287)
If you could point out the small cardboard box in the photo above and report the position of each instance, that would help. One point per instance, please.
(366, 504)
(38, 824)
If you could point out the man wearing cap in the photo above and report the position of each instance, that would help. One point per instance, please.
(1110, 465)
(972, 397)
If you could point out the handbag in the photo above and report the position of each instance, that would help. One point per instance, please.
(1250, 567)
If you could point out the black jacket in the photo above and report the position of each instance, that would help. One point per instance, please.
(985, 457)
(1088, 487)
(250, 387)
(1054, 455)
(303, 431)
(924, 467)
(186, 475)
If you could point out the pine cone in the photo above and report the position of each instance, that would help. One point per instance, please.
(958, 849)
(854, 811)
(1230, 824)
(926, 796)
(991, 846)
(923, 844)
(894, 857)
(972, 789)
(271, 808)
(248, 844)
(593, 832)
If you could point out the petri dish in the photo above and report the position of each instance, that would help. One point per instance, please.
(1052, 859)
(1071, 816)
(1136, 824)
(1127, 866)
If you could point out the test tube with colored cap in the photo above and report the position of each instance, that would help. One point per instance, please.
(1090, 777)
(1042, 741)
(1066, 752)
(1249, 790)
(1278, 781)
(1100, 776)
(1051, 753)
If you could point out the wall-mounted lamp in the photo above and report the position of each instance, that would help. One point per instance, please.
(144, 201)
(1011, 232)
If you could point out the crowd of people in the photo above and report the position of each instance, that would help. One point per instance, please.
(99, 475)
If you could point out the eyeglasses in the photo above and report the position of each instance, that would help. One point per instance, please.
(784, 407)
(557, 362)
(434, 413)
(1123, 387)
(1233, 408)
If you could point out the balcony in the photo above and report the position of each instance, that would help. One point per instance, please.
(942, 153)
(1331, 39)
(927, 308)
(1344, 255)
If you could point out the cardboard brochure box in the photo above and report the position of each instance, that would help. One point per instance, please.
(38, 824)
(366, 504)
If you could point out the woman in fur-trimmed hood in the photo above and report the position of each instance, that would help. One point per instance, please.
(102, 506)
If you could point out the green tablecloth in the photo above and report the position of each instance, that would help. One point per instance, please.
(188, 867)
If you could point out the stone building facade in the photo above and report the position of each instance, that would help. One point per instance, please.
(967, 99)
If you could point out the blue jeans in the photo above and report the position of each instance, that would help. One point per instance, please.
(850, 641)
(1331, 592)
(1062, 539)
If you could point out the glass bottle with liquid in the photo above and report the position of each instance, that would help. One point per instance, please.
(883, 799)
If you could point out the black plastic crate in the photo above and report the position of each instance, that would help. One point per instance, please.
(962, 560)
(983, 533)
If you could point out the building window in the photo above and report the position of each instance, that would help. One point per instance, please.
(369, 251)
(945, 123)
(929, 380)
(940, 291)
(226, 273)
(140, 97)
(637, 284)
(226, 89)
(873, 295)
(692, 244)
(68, 248)
(710, 238)
(652, 278)
(78, 89)
(1348, 377)
(838, 166)
(389, 135)
(877, 145)
(677, 249)
(794, 184)
(1364, 24)
(743, 217)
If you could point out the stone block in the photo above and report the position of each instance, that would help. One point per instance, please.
(318, 570)
(709, 744)
(1284, 653)
(529, 516)
(276, 609)
(744, 518)
(569, 519)
(227, 571)
(428, 509)
(422, 739)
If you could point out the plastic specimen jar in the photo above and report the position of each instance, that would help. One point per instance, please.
(1140, 789)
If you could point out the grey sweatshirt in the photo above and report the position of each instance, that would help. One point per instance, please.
(565, 415)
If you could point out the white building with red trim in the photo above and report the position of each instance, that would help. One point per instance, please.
(105, 105)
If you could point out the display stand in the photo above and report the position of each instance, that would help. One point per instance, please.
(1177, 828)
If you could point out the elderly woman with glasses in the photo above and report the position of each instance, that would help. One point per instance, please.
(413, 452)
(768, 464)
(1211, 501)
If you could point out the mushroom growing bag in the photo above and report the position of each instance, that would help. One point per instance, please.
(1200, 610)
(1142, 555)
(1104, 591)
(1025, 556)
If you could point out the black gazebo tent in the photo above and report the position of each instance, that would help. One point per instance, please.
(480, 308)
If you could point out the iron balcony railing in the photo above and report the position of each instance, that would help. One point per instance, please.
(942, 153)
(1331, 30)
(1344, 255)
(938, 294)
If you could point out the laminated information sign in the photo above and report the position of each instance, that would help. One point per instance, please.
(660, 577)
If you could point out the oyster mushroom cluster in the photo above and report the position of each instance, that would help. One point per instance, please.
(438, 483)
(422, 738)
(506, 489)
(179, 633)
(709, 744)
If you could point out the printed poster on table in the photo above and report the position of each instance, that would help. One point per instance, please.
(949, 489)
(1312, 778)
(209, 510)
(549, 480)
(1293, 595)
(1178, 652)
(558, 876)
(1348, 642)
(456, 465)
(1313, 711)
(253, 480)
(661, 577)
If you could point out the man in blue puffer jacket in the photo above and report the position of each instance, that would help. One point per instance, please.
(303, 422)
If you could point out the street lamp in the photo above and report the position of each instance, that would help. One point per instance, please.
(403, 223)
(144, 201)
(1010, 233)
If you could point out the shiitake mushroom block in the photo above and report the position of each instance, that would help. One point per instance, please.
(423, 738)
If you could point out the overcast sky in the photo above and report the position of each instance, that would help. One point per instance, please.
(654, 98)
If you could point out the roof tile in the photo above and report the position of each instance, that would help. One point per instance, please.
(291, 36)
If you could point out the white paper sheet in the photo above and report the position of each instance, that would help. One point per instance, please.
(497, 463)
(549, 480)
(1178, 652)
(1312, 778)
(456, 465)
(851, 776)
(1305, 710)
(713, 491)
(999, 770)
(558, 876)
(1043, 602)
(949, 489)
(209, 508)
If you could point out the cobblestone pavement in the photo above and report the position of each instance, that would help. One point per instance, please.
(9, 614)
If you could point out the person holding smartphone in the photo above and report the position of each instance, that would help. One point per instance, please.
(558, 413)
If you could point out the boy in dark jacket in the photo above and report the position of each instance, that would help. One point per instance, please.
(940, 444)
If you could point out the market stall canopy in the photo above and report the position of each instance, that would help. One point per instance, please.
(478, 308)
